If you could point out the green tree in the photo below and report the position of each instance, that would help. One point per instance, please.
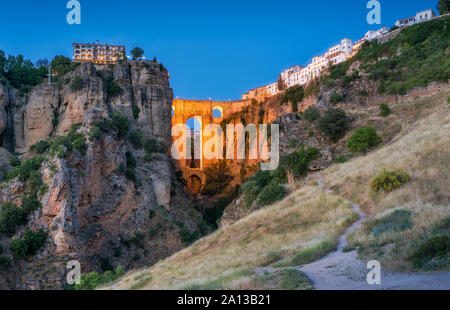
(443, 6)
(363, 139)
(334, 124)
(61, 65)
(137, 53)
(294, 95)
(218, 177)
(311, 114)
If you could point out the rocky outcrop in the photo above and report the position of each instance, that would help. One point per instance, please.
(91, 211)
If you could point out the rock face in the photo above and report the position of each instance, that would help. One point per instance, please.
(91, 211)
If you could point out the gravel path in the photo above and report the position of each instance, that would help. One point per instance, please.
(345, 271)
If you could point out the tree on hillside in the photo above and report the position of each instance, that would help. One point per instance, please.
(334, 124)
(137, 53)
(218, 177)
(363, 139)
(443, 6)
(295, 95)
(61, 65)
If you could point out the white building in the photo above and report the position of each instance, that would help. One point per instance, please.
(420, 17)
(272, 89)
(373, 35)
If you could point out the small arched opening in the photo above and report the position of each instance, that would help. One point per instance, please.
(217, 112)
(195, 139)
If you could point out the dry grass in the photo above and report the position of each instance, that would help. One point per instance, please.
(225, 259)
(423, 150)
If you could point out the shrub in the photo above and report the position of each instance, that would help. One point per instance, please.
(121, 124)
(30, 202)
(298, 161)
(363, 139)
(218, 177)
(384, 110)
(80, 145)
(136, 111)
(10, 217)
(295, 95)
(77, 84)
(14, 161)
(41, 147)
(136, 138)
(333, 124)
(311, 114)
(437, 246)
(24, 171)
(18, 248)
(388, 181)
(112, 88)
(5, 263)
(34, 241)
(187, 237)
(336, 98)
(93, 280)
(152, 146)
(271, 194)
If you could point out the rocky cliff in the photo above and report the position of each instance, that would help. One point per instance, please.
(104, 199)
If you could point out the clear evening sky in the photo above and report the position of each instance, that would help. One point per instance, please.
(216, 49)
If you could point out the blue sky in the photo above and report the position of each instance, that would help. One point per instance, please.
(216, 49)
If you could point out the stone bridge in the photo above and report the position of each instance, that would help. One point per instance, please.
(204, 112)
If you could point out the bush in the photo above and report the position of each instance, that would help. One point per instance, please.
(113, 89)
(298, 161)
(77, 84)
(41, 147)
(336, 98)
(295, 95)
(136, 138)
(363, 139)
(15, 162)
(121, 124)
(187, 237)
(26, 169)
(18, 248)
(136, 111)
(10, 217)
(93, 280)
(218, 177)
(80, 145)
(387, 181)
(152, 146)
(30, 202)
(29, 244)
(5, 263)
(384, 110)
(333, 124)
(437, 246)
(270, 194)
(311, 114)
(34, 241)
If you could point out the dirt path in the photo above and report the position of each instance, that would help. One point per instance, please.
(345, 271)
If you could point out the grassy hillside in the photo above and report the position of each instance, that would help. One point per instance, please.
(305, 225)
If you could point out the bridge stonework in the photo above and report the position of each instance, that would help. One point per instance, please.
(202, 110)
